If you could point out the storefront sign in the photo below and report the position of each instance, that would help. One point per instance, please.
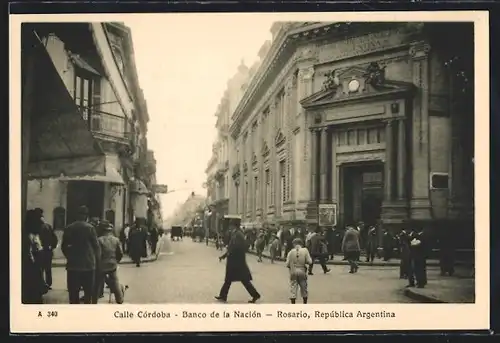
(160, 189)
(327, 214)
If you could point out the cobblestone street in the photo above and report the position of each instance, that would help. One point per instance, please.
(188, 272)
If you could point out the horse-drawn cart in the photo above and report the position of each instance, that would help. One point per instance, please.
(176, 233)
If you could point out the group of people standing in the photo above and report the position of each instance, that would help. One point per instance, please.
(39, 242)
(135, 239)
(93, 250)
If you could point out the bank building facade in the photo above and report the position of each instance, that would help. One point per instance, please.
(351, 122)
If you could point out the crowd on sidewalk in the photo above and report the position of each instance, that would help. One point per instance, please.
(93, 250)
(411, 245)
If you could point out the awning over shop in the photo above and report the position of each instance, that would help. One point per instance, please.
(61, 142)
(138, 187)
(112, 175)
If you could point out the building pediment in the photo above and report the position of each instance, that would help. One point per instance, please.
(355, 83)
(280, 138)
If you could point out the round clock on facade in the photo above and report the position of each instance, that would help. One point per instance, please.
(353, 85)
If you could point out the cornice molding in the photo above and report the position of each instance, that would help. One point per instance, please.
(286, 44)
(288, 34)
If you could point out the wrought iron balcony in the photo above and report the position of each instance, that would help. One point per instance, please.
(107, 126)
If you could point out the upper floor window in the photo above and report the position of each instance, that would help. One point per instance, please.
(119, 58)
(280, 109)
(87, 93)
(265, 117)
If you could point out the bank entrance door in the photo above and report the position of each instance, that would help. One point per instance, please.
(362, 192)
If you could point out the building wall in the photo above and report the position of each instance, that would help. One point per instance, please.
(406, 58)
(47, 195)
(114, 198)
(61, 59)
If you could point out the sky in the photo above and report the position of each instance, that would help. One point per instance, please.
(183, 64)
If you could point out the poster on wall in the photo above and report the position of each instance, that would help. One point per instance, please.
(327, 214)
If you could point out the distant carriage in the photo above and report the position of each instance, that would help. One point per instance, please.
(176, 233)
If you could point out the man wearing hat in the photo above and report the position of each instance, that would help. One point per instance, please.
(111, 255)
(82, 252)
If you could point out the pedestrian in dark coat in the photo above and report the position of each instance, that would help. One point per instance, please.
(82, 251)
(32, 282)
(153, 237)
(137, 244)
(387, 245)
(404, 248)
(351, 248)
(371, 244)
(418, 257)
(49, 243)
(318, 251)
(236, 267)
(330, 241)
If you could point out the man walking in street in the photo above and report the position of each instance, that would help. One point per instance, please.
(82, 252)
(111, 255)
(351, 248)
(318, 250)
(236, 267)
(371, 244)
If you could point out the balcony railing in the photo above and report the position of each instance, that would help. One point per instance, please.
(107, 125)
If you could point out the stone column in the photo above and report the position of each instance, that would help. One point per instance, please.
(334, 167)
(314, 172)
(273, 164)
(420, 203)
(289, 122)
(261, 165)
(304, 89)
(389, 146)
(401, 168)
(323, 148)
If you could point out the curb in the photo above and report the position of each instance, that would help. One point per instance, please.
(414, 295)
(146, 260)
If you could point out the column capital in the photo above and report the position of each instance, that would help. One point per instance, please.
(306, 73)
(419, 50)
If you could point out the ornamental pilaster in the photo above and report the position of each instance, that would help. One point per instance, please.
(420, 203)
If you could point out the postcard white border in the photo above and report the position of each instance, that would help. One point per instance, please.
(85, 318)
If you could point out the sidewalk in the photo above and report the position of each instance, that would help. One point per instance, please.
(61, 261)
(394, 262)
(445, 289)
(459, 288)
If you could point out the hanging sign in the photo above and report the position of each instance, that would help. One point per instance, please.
(160, 189)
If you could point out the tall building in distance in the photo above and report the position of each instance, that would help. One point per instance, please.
(350, 122)
(219, 177)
